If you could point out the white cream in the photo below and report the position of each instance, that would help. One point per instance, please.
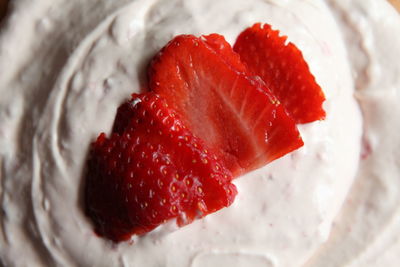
(67, 65)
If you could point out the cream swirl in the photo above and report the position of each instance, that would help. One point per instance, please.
(68, 66)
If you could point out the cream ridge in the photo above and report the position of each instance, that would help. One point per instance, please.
(67, 65)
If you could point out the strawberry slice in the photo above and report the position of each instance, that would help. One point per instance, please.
(151, 170)
(284, 71)
(232, 112)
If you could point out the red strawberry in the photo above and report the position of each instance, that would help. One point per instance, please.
(217, 43)
(233, 113)
(284, 71)
(154, 169)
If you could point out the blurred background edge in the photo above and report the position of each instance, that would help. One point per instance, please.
(396, 4)
(3, 8)
(4, 4)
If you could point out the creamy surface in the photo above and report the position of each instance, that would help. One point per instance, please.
(67, 65)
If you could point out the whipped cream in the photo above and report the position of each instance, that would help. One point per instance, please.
(67, 65)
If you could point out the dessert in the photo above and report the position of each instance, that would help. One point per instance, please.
(283, 69)
(174, 151)
(152, 171)
(76, 63)
(223, 104)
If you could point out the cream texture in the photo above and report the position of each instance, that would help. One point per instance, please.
(67, 65)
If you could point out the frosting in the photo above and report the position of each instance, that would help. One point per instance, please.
(66, 66)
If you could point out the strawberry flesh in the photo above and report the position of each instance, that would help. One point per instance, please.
(284, 71)
(152, 169)
(230, 110)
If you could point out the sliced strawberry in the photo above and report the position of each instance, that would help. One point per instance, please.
(124, 115)
(218, 43)
(234, 113)
(152, 171)
(284, 71)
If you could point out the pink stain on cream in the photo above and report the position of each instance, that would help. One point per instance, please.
(319, 206)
